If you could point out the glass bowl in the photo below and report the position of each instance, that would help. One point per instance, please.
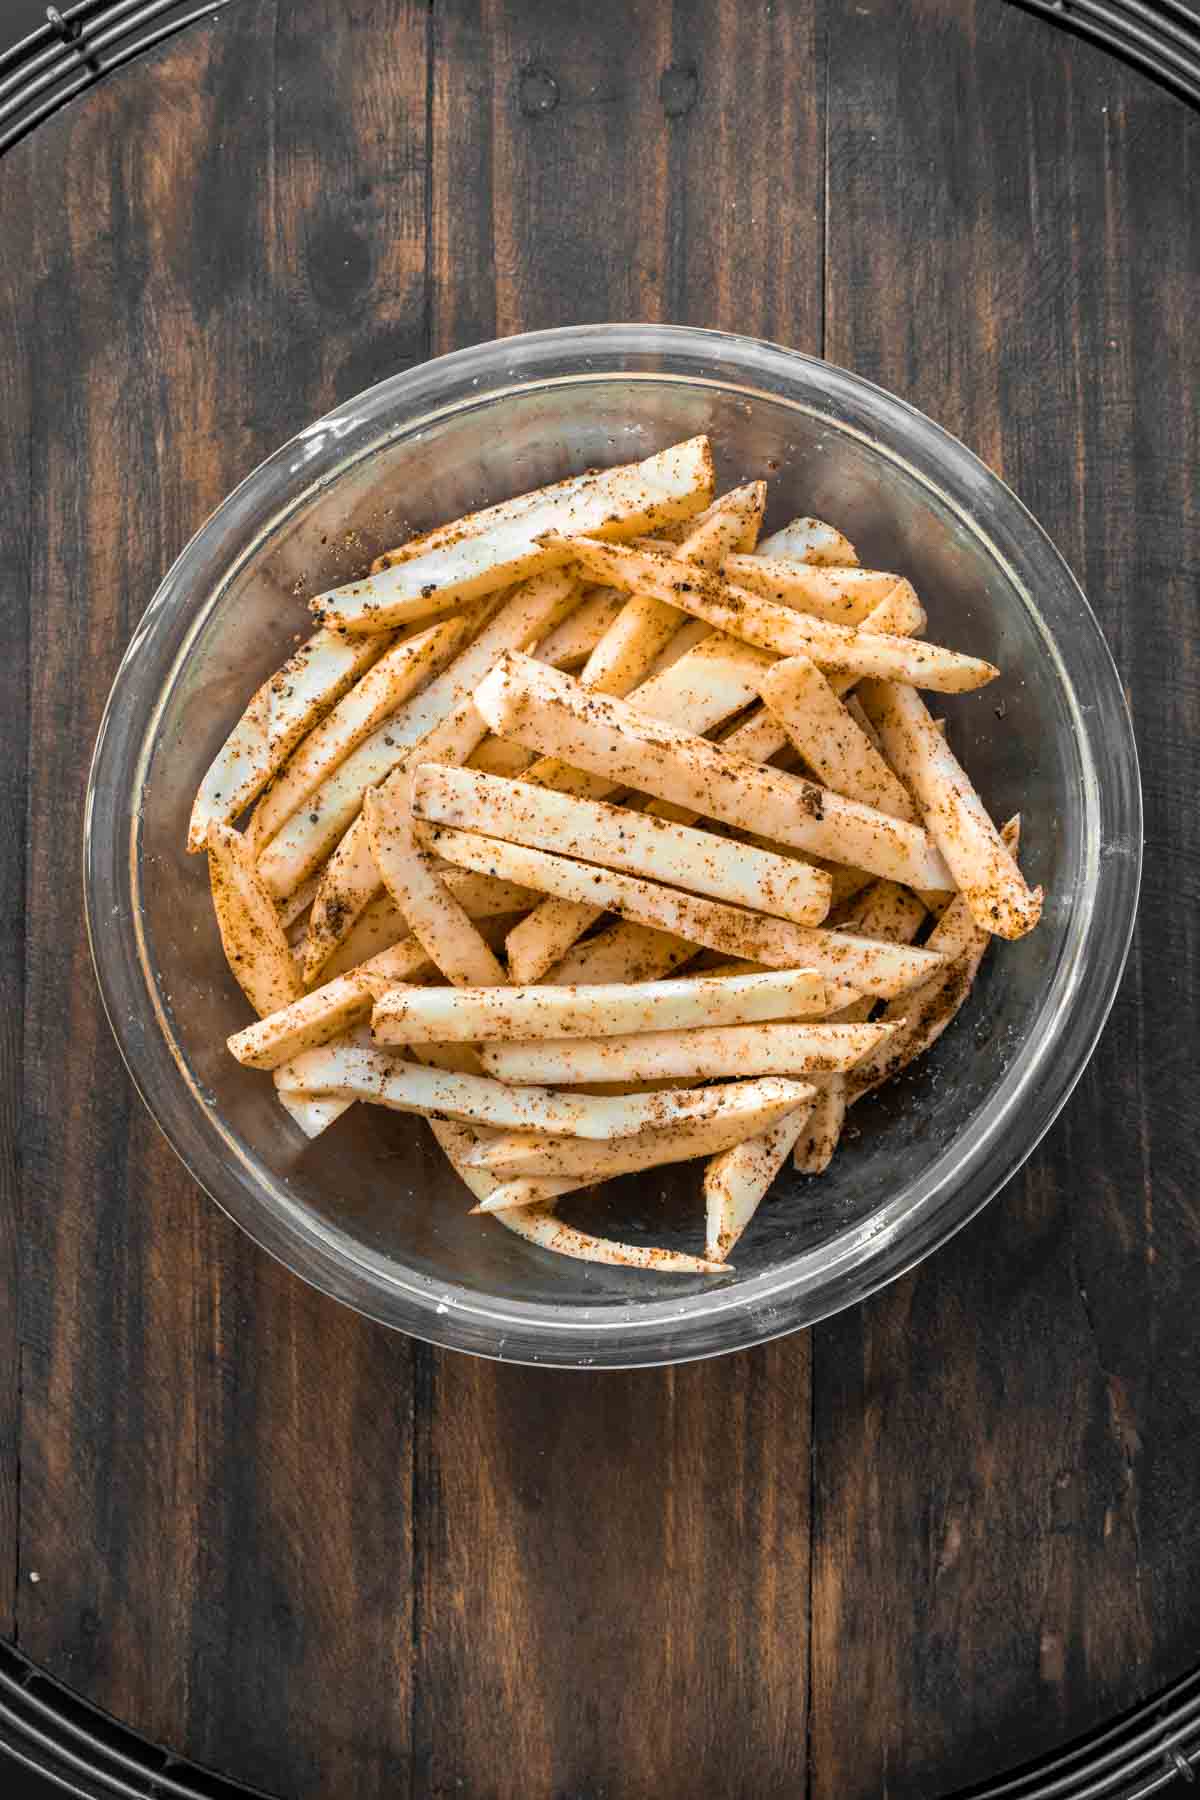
(371, 1213)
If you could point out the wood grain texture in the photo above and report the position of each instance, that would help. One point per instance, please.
(16, 403)
(1024, 1575)
(221, 1533)
(330, 1561)
(617, 1567)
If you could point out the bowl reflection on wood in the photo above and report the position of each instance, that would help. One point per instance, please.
(371, 1212)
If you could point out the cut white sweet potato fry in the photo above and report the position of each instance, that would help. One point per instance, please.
(736, 1180)
(983, 870)
(882, 969)
(834, 746)
(617, 837)
(457, 1142)
(886, 911)
(330, 1010)
(890, 914)
(286, 706)
(572, 642)
(962, 943)
(854, 707)
(399, 672)
(539, 1226)
(844, 596)
(351, 881)
(291, 911)
(822, 1129)
(543, 937)
(780, 629)
(308, 838)
(625, 951)
(527, 1155)
(899, 615)
(437, 919)
(382, 924)
(538, 706)
(714, 681)
(313, 1113)
(621, 502)
(346, 996)
(378, 927)
(255, 943)
(410, 1015)
(404, 1086)
(811, 541)
(690, 634)
(496, 756)
(442, 717)
(702, 1054)
(476, 523)
(758, 737)
(646, 625)
(457, 737)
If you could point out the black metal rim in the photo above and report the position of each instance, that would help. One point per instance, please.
(45, 1728)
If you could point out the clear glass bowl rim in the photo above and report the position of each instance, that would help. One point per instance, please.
(708, 1321)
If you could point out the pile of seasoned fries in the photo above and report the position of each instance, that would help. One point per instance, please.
(605, 836)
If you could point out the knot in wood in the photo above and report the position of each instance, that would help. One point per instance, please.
(678, 89)
(537, 93)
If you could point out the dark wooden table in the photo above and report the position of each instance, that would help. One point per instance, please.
(903, 1552)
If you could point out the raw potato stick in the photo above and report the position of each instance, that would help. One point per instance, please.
(544, 936)
(810, 541)
(372, 699)
(539, 1226)
(822, 1130)
(284, 708)
(574, 640)
(346, 996)
(786, 632)
(983, 869)
(313, 1113)
(834, 746)
(458, 1141)
(317, 1018)
(645, 625)
(255, 944)
(436, 918)
(545, 1156)
(844, 596)
(620, 502)
(476, 523)
(701, 1054)
(408, 1015)
(625, 951)
(307, 838)
(523, 700)
(884, 911)
(383, 924)
(717, 679)
(736, 1180)
(881, 969)
(934, 1003)
(363, 1074)
(441, 717)
(617, 837)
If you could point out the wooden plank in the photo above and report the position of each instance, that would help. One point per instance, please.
(1025, 1571)
(619, 1573)
(16, 401)
(217, 1472)
(666, 163)
(616, 1580)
